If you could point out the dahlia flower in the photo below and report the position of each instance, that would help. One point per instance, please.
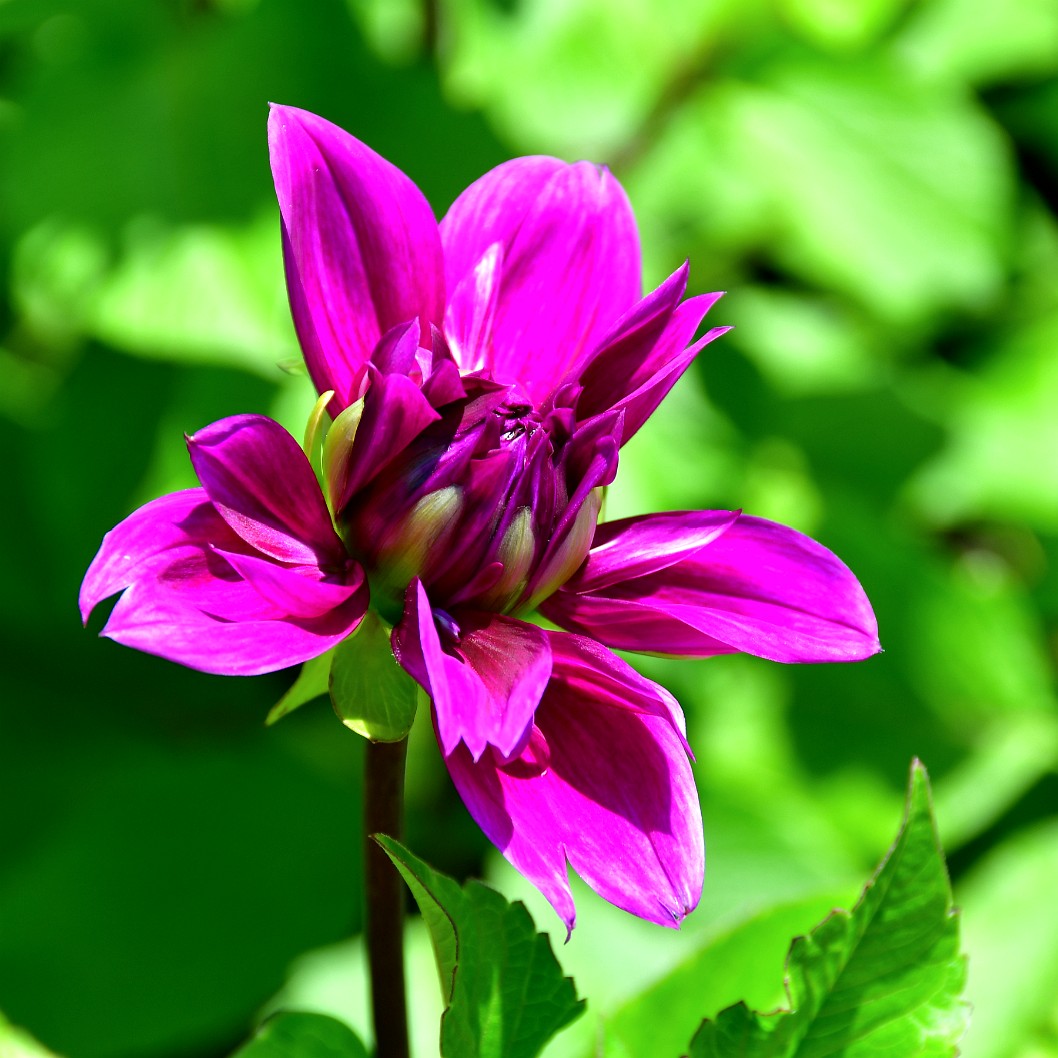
(482, 375)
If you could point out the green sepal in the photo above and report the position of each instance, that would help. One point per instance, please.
(313, 682)
(885, 978)
(315, 431)
(370, 692)
(505, 993)
(291, 1034)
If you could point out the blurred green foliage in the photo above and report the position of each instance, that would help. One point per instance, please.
(876, 185)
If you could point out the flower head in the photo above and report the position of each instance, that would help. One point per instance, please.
(482, 375)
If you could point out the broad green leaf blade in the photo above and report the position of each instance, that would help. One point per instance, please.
(508, 995)
(371, 693)
(885, 978)
(440, 900)
(1011, 926)
(745, 961)
(312, 682)
(301, 1035)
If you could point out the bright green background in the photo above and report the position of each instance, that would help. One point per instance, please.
(875, 183)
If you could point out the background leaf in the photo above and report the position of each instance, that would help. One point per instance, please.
(371, 693)
(507, 993)
(297, 1035)
(885, 978)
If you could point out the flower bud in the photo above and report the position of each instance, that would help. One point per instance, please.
(404, 550)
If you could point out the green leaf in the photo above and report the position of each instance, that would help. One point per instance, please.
(506, 994)
(745, 960)
(313, 682)
(298, 1035)
(371, 693)
(14, 1043)
(883, 979)
(1011, 921)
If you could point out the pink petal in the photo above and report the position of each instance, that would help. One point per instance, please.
(646, 354)
(296, 592)
(224, 611)
(485, 679)
(760, 588)
(632, 547)
(145, 540)
(261, 483)
(602, 783)
(570, 263)
(360, 243)
(160, 619)
(472, 310)
(395, 413)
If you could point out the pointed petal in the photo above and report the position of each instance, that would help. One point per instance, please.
(301, 592)
(570, 262)
(628, 344)
(646, 354)
(485, 680)
(397, 350)
(361, 246)
(395, 413)
(632, 547)
(261, 483)
(472, 310)
(602, 783)
(221, 612)
(179, 522)
(163, 616)
(573, 532)
(760, 588)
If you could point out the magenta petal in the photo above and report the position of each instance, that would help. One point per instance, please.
(395, 412)
(760, 588)
(629, 624)
(485, 679)
(601, 783)
(472, 310)
(146, 539)
(628, 346)
(570, 265)
(301, 592)
(158, 618)
(646, 354)
(225, 612)
(632, 547)
(360, 243)
(261, 483)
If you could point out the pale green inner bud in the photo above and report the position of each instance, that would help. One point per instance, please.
(570, 554)
(314, 425)
(402, 555)
(516, 551)
(338, 449)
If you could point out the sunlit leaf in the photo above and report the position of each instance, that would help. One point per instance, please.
(297, 1035)
(839, 26)
(980, 44)
(1011, 926)
(370, 692)
(212, 294)
(744, 962)
(313, 682)
(506, 994)
(885, 978)
(14, 1043)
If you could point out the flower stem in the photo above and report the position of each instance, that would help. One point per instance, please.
(384, 893)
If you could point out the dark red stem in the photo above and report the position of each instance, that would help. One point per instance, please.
(384, 894)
